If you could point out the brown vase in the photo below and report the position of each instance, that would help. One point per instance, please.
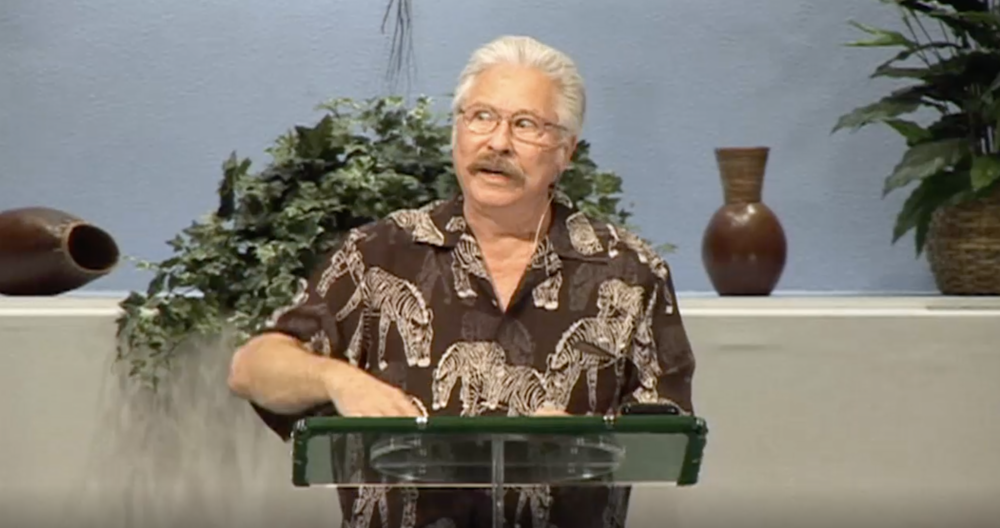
(45, 252)
(744, 247)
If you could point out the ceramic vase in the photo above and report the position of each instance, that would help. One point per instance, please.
(46, 252)
(744, 247)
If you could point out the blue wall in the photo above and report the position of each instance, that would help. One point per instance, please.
(122, 112)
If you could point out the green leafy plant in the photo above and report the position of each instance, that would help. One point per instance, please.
(954, 76)
(359, 162)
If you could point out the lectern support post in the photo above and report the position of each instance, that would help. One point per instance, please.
(498, 494)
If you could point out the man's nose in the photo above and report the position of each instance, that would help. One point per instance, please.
(500, 140)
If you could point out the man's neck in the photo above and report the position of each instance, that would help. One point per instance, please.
(519, 223)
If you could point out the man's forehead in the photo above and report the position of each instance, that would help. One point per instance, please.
(514, 89)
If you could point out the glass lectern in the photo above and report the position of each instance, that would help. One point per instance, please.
(497, 451)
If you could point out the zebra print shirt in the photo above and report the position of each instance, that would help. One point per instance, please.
(593, 325)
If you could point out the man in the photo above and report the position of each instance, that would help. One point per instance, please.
(503, 299)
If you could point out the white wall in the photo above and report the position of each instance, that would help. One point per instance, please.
(883, 409)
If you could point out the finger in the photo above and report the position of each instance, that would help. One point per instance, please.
(383, 408)
(404, 407)
(402, 404)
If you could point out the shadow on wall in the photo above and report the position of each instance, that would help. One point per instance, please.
(190, 455)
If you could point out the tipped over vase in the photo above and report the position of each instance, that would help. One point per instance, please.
(46, 252)
(744, 247)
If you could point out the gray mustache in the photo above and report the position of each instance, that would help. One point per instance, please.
(496, 164)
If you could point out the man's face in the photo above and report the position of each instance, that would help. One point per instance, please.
(522, 156)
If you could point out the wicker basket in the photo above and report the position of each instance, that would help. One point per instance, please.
(963, 248)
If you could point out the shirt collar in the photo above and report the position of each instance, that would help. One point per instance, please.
(572, 234)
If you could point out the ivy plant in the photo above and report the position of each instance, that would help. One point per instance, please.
(362, 160)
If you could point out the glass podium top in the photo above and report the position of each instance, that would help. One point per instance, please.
(482, 451)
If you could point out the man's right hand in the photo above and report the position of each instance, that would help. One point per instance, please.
(355, 392)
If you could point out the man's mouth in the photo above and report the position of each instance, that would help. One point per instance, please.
(494, 168)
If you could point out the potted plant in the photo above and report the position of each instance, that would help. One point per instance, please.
(359, 162)
(949, 52)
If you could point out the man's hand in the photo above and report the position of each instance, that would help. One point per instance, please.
(548, 410)
(355, 392)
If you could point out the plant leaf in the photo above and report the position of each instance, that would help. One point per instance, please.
(930, 194)
(913, 132)
(967, 18)
(985, 171)
(888, 107)
(925, 160)
(921, 230)
(995, 84)
(882, 37)
(895, 72)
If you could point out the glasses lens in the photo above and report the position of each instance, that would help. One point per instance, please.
(480, 120)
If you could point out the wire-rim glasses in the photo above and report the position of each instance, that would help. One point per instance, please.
(524, 126)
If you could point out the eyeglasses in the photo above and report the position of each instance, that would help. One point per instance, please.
(525, 126)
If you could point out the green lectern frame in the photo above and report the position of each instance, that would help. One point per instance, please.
(497, 451)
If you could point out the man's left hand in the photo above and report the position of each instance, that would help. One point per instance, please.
(550, 411)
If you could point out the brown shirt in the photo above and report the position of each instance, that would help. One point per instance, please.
(592, 325)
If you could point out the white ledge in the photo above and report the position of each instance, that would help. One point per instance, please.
(60, 306)
(841, 306)
(696, 306)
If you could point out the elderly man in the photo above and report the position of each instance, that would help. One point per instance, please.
(504, 285)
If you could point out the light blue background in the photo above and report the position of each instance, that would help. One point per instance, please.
(122, 112)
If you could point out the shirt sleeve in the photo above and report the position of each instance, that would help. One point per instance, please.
(317, 317)
(662, 362)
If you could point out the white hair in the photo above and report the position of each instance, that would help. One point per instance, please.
(528, 52)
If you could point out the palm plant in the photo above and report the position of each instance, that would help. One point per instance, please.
(950, 53)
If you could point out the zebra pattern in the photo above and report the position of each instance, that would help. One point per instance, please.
(298, 300)
(617, 509)
(613, 243)
(347, 260)
(466, 261)
(320, 344)
(644, 347)
(394, 301)
(369, 498)
(418, 223)
(456, 224)
(519, 388)
(471, 362)
(561, 198)
(589, 345)
(593, 343)
(582, 235)
(615, 298)
(487, 381)
(372, 497)
(539, 499)
(646, 255)
(546, 294)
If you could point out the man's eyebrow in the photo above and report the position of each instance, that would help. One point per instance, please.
(495, 109)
